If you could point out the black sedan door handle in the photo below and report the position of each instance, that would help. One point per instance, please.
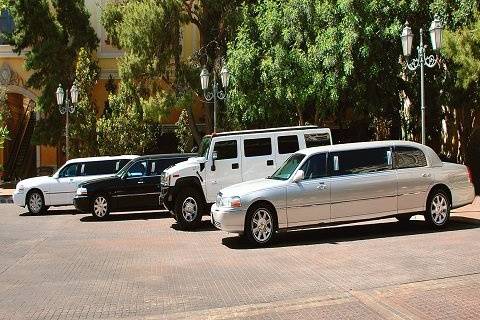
(140, 182)
(234, 165)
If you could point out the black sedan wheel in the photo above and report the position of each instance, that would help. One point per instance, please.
(101, 207)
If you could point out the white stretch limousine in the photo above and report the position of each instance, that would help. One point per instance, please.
(39, 193)
(345, 183)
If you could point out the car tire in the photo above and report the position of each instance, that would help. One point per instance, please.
(100, 207)
(437, 213)
(260, 226)
(189, 208)
(36, 202)
(403, 218)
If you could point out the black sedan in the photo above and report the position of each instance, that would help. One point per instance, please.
(135, 187)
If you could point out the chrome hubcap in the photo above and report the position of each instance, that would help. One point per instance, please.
(262, 225)
(189, 209)
(35, 202)
(100, 207)
(439, 209)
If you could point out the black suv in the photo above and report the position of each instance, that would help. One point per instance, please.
(135, 187)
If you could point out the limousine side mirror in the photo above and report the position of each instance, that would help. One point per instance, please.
(299, 176)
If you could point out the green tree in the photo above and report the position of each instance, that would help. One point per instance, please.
(82, 131)
(53, 31)
(4, 114)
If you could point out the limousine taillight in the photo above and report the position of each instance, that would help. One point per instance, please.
(470, 175)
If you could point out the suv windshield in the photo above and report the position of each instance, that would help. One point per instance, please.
(288, 167)
(204, 146)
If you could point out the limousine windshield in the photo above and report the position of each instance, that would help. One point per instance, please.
(286, 170)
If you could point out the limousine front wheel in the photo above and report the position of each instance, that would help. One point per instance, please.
(100, 207)
(260, 227)
(36, 203)
(438, 209)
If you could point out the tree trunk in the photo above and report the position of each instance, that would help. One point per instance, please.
(193, 126)
(301, 120)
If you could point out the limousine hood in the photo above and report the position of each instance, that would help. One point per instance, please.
(251, 186)
(35, 182)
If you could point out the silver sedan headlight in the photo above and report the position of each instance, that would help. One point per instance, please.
(230, 202)
(82, 191)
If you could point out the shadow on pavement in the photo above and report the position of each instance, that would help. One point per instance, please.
(338, 234)
(58, 212)
(150, 215)
(205, 225)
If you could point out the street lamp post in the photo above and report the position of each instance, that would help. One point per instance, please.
(66, 106)
(216, 94)
(422, 59)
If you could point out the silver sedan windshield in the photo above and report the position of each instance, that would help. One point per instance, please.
(288, 167)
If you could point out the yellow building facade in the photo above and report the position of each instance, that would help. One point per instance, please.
(21, 99)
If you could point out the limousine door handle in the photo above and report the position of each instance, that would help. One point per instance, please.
(426, 175)
(321, 186)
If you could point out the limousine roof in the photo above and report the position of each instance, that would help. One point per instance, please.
(230, 133)
(103, 158)
(432, 157)
(168, 155)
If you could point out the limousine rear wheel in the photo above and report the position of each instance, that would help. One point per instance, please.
(36, 202)
(260, 226)
(189, 208)
(438, 209)
(101, 207)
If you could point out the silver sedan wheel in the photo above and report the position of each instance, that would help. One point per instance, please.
(100, 207)
(35, 202)
(262, 225)
(189, 209)
(439, 209)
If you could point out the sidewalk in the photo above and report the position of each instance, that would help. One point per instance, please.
(6, 195)
(470, 213)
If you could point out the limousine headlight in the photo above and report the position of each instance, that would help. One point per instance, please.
(231, 202)
(20, 188)
(82, 191)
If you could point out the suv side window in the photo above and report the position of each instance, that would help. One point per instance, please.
(69, 171)
(317, 139)
(409, 157)
(315, 167)
(287, 144)
(360, 161)
(138, 169)
(257, 147)
(226, 149)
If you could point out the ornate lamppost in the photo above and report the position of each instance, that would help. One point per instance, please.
(67, 106)
(422, 60)
(216, 94)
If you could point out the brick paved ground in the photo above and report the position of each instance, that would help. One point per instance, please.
(67, 266)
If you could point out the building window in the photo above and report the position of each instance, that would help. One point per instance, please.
(6, 26)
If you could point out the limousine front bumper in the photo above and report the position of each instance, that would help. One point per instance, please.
(83, 203)
(228, 219)
(19, 198)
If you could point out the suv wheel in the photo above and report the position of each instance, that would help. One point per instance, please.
(260, 226)
(101, 207)
(438, 209)
(36, 202)
(189, 208)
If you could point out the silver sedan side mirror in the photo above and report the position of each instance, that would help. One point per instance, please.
(299, 176)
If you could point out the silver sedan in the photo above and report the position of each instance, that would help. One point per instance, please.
(345, 183)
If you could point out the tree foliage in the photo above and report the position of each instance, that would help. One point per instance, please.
(52, 33)
(82, 129)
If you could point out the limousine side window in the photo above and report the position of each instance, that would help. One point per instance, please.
(317, 139)
(409, 157)
(315, 167)
(287, 144)
(226, 149)
(69, 171)
(360, 161)
(97, 168)
(257, 147)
